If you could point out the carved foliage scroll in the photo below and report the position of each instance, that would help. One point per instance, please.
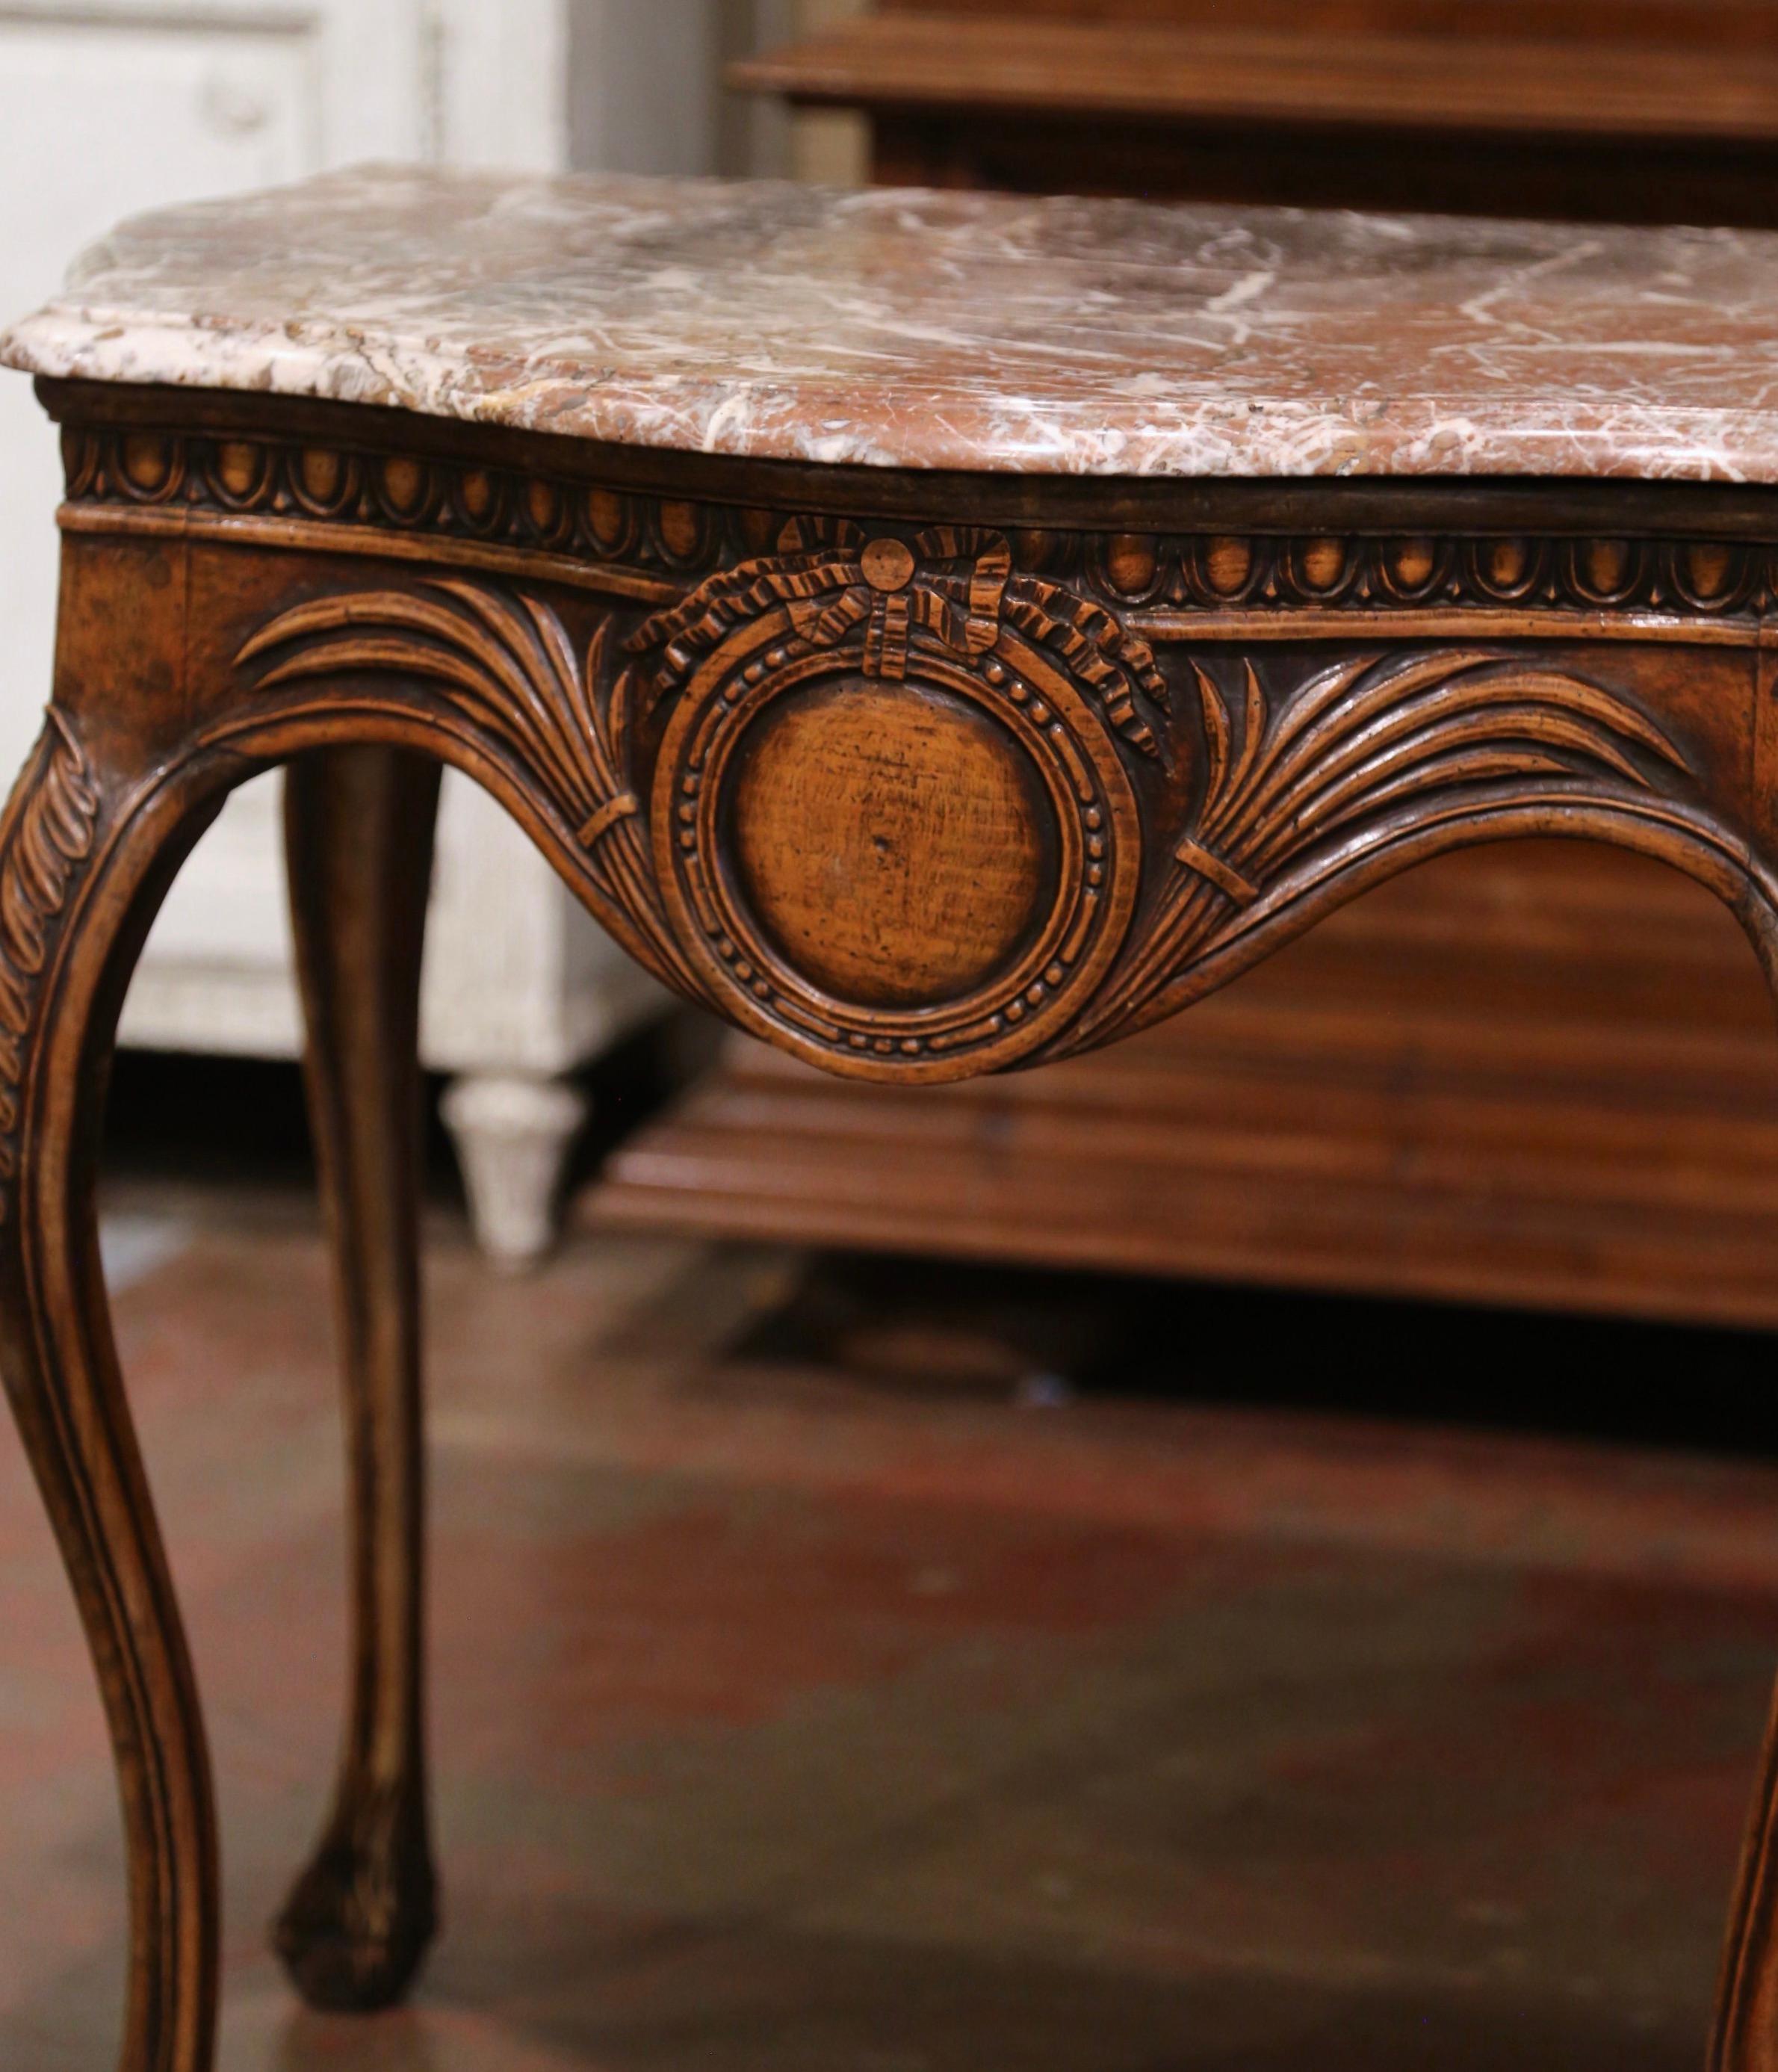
(908, 811)
(505, 664)
(1360, 751)
(46, 835)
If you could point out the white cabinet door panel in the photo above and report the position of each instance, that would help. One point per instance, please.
(106, 111)
(100, 121)
(110, 107)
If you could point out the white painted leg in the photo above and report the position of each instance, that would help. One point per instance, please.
(512, 1133)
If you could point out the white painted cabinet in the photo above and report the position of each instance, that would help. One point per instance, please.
(108, 109)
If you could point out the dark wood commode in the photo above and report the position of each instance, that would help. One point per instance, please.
(767, 551)
(1612, 1141)
(1659, 111)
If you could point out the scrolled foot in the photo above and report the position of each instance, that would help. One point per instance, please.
(357, 1924)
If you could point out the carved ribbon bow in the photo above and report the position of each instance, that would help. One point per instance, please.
(960, 609)
(954, 584)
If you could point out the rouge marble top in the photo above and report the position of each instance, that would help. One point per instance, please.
(905, 328)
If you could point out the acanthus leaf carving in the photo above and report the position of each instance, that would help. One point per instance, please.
(506, 663)
(1362, 748)
(47, 833)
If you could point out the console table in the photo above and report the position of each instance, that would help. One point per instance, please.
(940, 633)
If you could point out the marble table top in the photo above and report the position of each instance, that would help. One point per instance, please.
(903, 328)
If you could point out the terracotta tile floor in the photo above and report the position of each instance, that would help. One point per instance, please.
(786, 1722)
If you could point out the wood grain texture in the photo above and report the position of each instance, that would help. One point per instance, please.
(359, 827)
(1746, 24)
(1490, 83)
(1652, 112)
(912, 794)
(1270, 792)
(90, 841)
(1745, 2038)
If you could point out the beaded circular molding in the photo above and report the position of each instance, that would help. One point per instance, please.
(891, 820)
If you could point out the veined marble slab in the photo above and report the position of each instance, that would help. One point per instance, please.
(905, 328)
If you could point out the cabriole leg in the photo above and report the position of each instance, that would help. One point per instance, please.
(1745, 2035)
(70, 929)
(359, 827)
(1746, 2039)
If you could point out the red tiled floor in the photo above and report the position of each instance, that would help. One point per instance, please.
(784, 1722)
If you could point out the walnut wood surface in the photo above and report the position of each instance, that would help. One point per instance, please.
(359, 822)
(911, 792)
(1491, 83)
(1660, 111)
(1745, 24)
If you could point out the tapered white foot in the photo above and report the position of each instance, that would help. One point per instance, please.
(512, 1133)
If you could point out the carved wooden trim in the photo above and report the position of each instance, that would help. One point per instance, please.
(46, 834)
(1044, 686)
(1324, 572)
(1298, 788)
(402, 504)
(506, 665)
(655, 548)
(1157, 808)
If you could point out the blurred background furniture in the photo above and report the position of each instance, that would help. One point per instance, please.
(1648, 110)
(124, 107)
(1501, 1076)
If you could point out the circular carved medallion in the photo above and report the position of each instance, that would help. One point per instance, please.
(890, 833)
